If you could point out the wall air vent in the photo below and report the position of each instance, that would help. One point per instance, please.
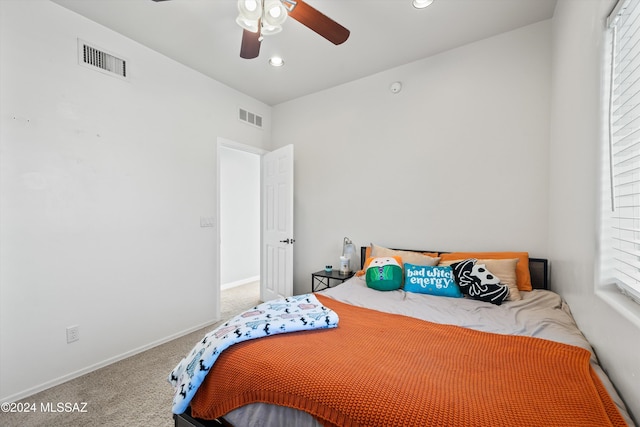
(249, 117)
(101, 60)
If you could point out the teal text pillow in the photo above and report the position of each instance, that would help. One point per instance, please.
(384, 273)
(426, 279)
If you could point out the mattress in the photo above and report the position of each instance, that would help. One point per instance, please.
(540, 313)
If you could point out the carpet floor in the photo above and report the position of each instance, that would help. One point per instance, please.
(131, 392)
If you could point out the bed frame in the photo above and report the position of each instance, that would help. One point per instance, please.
(186, 420)
(539, 267)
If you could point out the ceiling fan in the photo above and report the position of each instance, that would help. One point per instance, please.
(262, 17)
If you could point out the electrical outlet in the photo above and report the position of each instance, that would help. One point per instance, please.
(73, 333)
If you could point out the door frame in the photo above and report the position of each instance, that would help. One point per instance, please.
(227, 143)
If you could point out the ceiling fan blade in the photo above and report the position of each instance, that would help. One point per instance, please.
(319, 22)
(250, 47)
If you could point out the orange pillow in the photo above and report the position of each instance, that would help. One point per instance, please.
(523, 276)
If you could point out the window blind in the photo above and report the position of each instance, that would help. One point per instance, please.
(624, 146)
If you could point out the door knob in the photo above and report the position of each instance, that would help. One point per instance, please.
(287, 241)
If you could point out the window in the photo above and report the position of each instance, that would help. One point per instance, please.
(622, 239)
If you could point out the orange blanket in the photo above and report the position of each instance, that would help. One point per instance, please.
(378, 369)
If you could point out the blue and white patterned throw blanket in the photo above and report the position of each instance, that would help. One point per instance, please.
(292, 314)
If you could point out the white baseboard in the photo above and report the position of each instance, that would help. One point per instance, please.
(239, 282)
(109, 361)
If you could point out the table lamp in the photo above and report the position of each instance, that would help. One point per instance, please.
(348, 253)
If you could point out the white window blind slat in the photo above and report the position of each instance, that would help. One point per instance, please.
(628, 54)
(627, 15)
(625, 107)
(626, 187)
(627, 147)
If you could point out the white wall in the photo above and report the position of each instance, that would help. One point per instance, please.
(577, 85)
(103, 183)
(458, 160)
(239, 216)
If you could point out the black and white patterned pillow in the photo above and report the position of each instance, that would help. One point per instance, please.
(478, 282)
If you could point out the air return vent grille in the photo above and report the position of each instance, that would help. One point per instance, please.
(249, 117)
(101, 60)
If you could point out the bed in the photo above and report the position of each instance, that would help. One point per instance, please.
(412, 358)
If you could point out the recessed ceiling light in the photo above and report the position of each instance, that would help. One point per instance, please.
(276, 61)
(421, 4)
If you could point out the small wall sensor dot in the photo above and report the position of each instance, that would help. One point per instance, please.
(395, 87)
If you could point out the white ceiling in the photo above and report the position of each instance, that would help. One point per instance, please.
(203, 35)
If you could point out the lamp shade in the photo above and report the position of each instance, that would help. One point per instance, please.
(421, 4)
(249, 13)
(348, 254)
(250, 9)
(274, 13)
(268, 30)
(247, 24)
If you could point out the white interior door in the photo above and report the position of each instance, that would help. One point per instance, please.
(276, 276)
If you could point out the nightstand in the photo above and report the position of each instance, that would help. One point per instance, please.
(324, 278)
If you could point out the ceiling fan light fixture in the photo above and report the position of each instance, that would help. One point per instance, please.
(268, 30)
(421, 4)
(250, 9)
(249, 13)
(274, 13)
(247, 24)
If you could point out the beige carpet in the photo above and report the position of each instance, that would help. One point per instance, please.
(132, 392)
